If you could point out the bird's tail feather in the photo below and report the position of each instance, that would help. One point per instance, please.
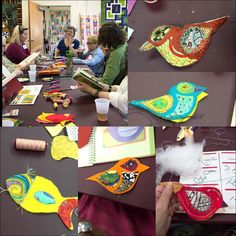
(65, 211)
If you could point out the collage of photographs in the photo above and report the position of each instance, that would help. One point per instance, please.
(118, 118)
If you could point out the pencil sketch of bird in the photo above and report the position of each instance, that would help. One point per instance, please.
(122, 177)
(183, 46)
(178, 105)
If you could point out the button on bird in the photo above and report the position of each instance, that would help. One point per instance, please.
(183, 46)
(122, 177)
(178, 105)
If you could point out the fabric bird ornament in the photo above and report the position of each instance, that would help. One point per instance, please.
(37, 194)
(183, 46)
(122, 177)
(178, 105)
(200, 203)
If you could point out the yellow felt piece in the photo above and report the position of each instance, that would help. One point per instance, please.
(41, 184)
(71, 124)
(62, 147)
(54, 130)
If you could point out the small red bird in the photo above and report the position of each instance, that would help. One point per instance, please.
(183, 46)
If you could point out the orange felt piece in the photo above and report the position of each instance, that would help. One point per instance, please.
(122, 177)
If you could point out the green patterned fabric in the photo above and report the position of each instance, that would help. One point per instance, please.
(115, 11)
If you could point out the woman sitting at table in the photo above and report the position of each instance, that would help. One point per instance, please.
(118, 95)
(17, 50)
(93, 58)
(68, 43)
(10, 66)
(113, 40)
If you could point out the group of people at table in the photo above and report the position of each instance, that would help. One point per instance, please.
(106, 57)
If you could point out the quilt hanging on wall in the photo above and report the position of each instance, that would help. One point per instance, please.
(115, 10)
(89, 25)
(58, 22)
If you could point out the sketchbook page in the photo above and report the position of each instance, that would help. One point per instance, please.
(85, 155)
(218, 170)
(108, 150)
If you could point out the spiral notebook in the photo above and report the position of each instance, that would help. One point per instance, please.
(108, 144)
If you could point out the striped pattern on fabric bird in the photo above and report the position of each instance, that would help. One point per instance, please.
(178, 105)
(122, 177)
(183, 46)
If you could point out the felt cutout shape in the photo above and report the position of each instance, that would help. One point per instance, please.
(84, 133)
(37, 194)
(62, 147)
(183, 46)
(54, 130)
(199, 203)
(122, 177)
(178, 105)
(52, 118)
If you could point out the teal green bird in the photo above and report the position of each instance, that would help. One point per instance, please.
(178, 105)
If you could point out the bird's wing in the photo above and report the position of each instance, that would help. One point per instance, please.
(191, 41)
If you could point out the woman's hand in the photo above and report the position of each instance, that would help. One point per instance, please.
(166, 205)
(86, 88)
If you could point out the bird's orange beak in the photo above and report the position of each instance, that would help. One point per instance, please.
(143, 167)
(146, 47)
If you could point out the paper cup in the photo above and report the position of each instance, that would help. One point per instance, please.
(102, 107)
(32, 75)
(33, 67)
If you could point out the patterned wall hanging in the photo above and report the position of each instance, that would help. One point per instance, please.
(58, 22)
(116, 11)
(89, 25)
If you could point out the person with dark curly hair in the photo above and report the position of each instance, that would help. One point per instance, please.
(112, 40)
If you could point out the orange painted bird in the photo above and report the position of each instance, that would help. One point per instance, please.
(122, 177)
(183, 46)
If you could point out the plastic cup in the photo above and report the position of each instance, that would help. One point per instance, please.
(102, 107)
(50, 54)
(32, 75)
(32, 67)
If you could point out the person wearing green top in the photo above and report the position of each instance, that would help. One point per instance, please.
(112, 39)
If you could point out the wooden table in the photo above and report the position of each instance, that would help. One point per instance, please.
(63, 173)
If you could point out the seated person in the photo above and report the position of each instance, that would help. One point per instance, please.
(17, 50)
(94, 58)
(68, 43)
(113, 40)
(118, 95)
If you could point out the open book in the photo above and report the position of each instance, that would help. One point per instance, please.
(29, 59)
(108, 144)
(218, 170)
(85, 77)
